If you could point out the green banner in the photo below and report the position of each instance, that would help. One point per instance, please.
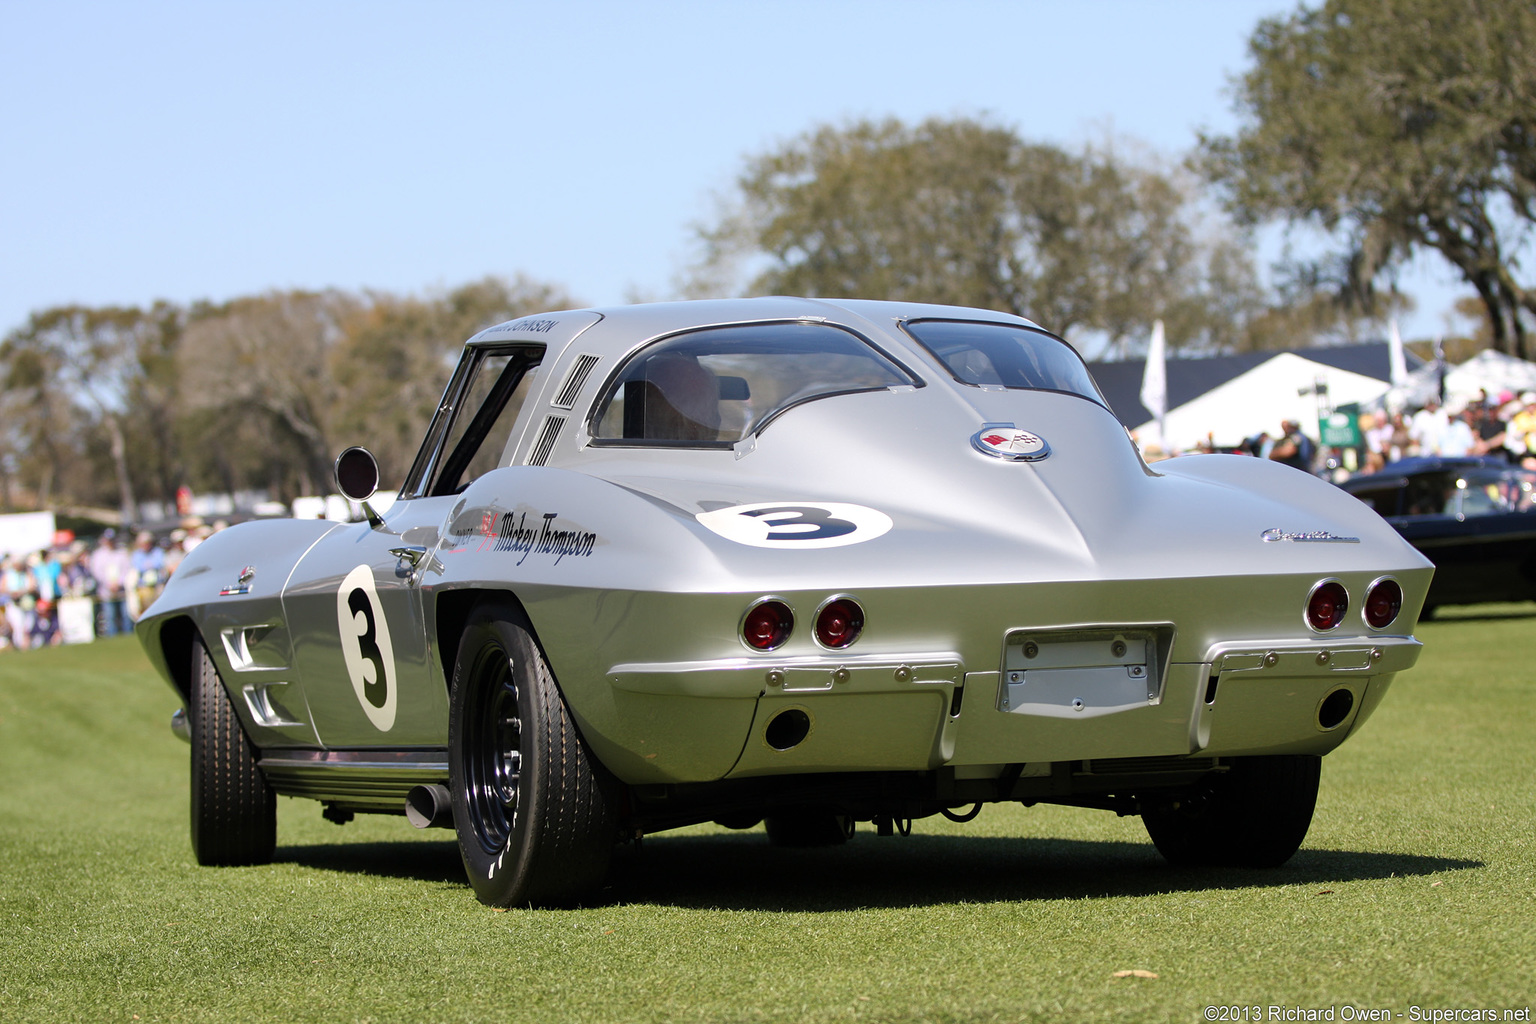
(1340, 430)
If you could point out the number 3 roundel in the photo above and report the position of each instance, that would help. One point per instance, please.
(365, 646)
(797, 525)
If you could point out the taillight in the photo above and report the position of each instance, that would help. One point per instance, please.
(839, 623)
(767, 625)
(1327, 605)
(1382, 603)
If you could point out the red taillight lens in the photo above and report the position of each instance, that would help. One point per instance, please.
(1382, 603)
(767, 625)
(1327, 605)
(839, 623)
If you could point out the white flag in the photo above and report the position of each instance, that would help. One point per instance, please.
(1397, 364)
(1154, 381)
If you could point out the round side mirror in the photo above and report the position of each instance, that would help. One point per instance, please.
(357, 473)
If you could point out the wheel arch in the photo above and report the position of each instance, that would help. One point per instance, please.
(451, 614)
(176, 638)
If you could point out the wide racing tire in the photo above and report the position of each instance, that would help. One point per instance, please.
(1254, 816)
(534, 811)
(234, 811)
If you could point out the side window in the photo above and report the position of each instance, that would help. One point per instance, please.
(1381, 499)
(482, 420)
(1430, 494)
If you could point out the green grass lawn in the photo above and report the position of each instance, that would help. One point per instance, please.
(1416, 887)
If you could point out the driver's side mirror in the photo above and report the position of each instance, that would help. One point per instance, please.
(357, 475)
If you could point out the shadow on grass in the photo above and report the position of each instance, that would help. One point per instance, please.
(420, 861)
(742, 872)
(739, 873)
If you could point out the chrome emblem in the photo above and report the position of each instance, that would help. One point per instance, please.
(1005, 441)
(1306, 537)
(242, 583)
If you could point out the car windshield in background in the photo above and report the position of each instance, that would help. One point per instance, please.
(1474, 491)
(1005, 355)
(717, 386)
(1487, 492)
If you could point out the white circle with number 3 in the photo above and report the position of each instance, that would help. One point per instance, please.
(365, 646)
(797, 525)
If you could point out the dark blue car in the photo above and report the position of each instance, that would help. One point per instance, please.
(1475, 518)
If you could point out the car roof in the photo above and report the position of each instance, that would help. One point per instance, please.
(1418, 465)
(626, 326)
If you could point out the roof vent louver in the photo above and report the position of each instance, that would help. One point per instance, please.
(580, 370)
(548, 432)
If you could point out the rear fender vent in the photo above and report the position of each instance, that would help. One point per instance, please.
(580, 371)
(549, 432)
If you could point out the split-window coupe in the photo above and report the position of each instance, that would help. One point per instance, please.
(804, 562)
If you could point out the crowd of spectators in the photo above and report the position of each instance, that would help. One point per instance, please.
(80, 591)
(1501, 427)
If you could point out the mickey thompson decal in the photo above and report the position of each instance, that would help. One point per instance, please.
(532, 534)
(365, 646)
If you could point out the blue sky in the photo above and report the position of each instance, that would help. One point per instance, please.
(189, 151)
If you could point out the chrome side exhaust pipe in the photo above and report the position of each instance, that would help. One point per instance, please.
(429, 806)
(181, 725)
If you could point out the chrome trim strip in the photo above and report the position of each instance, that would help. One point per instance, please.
(371, 760)
(369, 780)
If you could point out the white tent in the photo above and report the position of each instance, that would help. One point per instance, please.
(1490, 371)
(1282, 388)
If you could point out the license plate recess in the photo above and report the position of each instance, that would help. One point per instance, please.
(1082, 673)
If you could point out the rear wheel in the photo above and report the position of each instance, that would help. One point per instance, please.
(234, 811)
(1254, 816)
(533, 809)
(809, 828)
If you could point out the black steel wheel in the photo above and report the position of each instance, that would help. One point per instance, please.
(809, 829)
(234, 811)
(1254, 816)
(533, 809)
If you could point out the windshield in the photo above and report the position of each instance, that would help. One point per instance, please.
(716, 386)
(1005, 355)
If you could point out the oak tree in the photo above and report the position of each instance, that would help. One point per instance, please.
(1396, 126)
(966, 212)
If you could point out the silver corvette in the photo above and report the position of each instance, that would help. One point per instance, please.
(802, 562)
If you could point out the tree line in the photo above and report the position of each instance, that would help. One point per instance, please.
(1385, 128)
(112, 406)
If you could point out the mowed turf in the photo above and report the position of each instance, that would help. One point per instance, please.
(1414, 889)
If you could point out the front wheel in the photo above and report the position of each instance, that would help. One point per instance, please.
(234, 811)
(533, 809)
(1254, 816)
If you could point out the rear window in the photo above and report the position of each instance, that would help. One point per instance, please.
(717, 386)
(1005, 355)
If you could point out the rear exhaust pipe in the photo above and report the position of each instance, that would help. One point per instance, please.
(429, 807)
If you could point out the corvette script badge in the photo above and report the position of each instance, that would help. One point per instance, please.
(1005, 441)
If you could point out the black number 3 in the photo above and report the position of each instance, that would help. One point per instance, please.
(376, 689)
(823, 524)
